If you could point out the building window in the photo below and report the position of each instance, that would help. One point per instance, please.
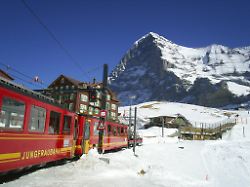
(54, 122)
(84, 98)
(72, 96)
(66, 124)
(97, 103)
(113, 115)
(83, 108)
(98, 94)
(62, 80)
(66, 97)
(107, 106)
(67, 87)
(90, 110)
(71, 106)
(108, 97)
(12, 114)
(37, 119)
(96, 111)
(113, 106)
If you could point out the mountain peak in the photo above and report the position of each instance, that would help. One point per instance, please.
(152, 35)
(155, 68)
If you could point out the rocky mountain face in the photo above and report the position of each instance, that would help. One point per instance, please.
(158, 69)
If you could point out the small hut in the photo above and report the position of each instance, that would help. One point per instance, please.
(174, 121)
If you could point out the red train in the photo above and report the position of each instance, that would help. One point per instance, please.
(34, 130)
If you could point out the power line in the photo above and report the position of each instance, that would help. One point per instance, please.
(53, 36)
(29, 82)
(10, 68)
(22, 74)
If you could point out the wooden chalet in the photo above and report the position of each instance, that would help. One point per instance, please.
(174, 121)
(74, 95)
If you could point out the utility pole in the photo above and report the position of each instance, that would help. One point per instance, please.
(129, 124)
(135, 129)
(131, 97)
(162, 126)
(103, 106)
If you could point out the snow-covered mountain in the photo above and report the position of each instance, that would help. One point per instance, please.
(158, 69)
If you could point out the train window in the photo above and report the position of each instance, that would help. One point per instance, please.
(125, 131)
(54, 122)
(114, 131)
(75, 129)
(96, 131)
(37, 119)
(12, 114)
(66, 124)
(109, 129)
(87, 131)
(122, 130)
(119, 130)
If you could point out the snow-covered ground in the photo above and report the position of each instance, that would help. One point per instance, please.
(193, 113)
(161, 161)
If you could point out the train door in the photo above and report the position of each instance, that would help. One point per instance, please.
(86, 137)
(75, 134)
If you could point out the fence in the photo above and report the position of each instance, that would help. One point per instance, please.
(201, 131)
(214, 125)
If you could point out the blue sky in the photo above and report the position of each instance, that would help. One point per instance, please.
(101, 31)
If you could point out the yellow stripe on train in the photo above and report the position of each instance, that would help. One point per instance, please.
(10, 156)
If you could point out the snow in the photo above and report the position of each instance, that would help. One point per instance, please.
(160, 161)
(237, 89)
(193, 113)
(190, 63)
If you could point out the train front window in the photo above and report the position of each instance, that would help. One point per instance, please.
(37, 119)
(54, 122)
(87, 131)
(12, 114)
(66, 124)
(96, 131)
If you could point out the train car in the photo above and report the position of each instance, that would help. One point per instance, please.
(138, 141)
(114, 135)
(33, 129)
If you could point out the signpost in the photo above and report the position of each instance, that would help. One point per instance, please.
(103, 112)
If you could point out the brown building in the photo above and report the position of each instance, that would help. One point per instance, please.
(74, 95)
(5, 75)
(174, 121)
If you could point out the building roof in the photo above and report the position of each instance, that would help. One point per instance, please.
(79, 84)
(5, 75)
(169, 116)
(73, 81)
